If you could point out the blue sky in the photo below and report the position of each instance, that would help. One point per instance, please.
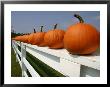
(25, 21)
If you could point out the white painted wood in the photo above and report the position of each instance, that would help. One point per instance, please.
(24, 63)
(70, 68)
(16, 48)
(62, 61)
(17, 56)
(23, 56)
(90, 61)
(60, 65)
(19, 61)
(13, 45)
(20, 54)
(89, 72)
(45, 58)
(25, 74)
(18, 43)
(30, 69)
(28, 66)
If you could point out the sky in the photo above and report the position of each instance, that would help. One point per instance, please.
(25, 21)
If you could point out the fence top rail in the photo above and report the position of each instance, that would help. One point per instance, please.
(90, 60)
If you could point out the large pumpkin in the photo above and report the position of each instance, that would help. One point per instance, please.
(81, 38)
(54, 38)
(38, 38)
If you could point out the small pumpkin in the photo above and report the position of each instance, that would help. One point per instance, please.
(21, 38)
(25, 38)
(38, 38)
(30, 37)
(54, 38)
(17, 38)
(81, 38)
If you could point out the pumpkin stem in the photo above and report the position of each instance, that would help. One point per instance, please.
(79, 17)
(34, 30)
(55, 26)
(41, 28)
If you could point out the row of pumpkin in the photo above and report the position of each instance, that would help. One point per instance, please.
(79, 38)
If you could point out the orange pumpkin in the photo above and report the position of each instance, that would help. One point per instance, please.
(81, 38)
(54, 38)
(30, 37)
(38, 38)
(21, 38)
(17, 38)
(25, 38)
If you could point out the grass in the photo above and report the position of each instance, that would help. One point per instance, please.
(15, 67)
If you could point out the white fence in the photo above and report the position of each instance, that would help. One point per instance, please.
(60, 60)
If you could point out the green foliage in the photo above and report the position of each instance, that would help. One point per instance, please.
(13, 34)
(15, 67)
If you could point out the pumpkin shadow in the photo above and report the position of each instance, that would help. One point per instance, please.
(96, 53)
(74, 55)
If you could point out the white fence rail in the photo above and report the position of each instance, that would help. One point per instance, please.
(60, 60)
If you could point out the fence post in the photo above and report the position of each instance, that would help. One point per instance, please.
(16, 45)
(23, 55)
